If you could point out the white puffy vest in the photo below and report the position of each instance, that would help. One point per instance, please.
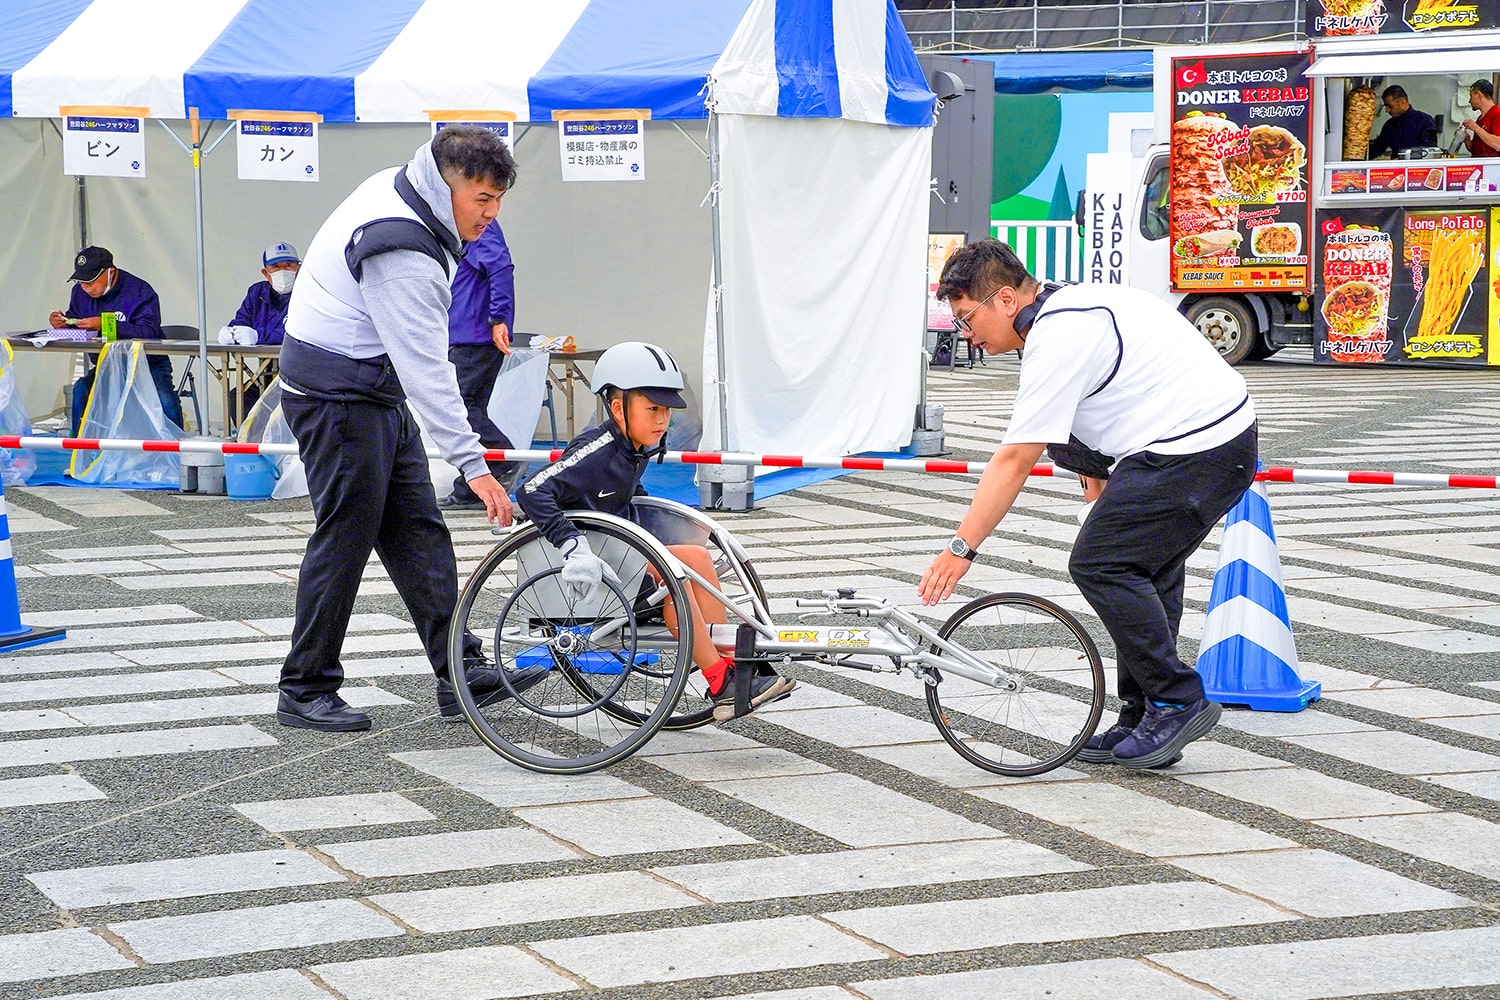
(327, 308)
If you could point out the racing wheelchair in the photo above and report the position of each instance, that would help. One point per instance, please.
(1013, 682)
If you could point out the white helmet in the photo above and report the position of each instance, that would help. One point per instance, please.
(643, 367)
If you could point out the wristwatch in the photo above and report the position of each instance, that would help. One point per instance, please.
(962, 549)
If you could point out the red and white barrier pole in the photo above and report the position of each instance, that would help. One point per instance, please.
(853, 463)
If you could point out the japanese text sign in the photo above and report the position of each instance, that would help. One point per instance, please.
(611, 149)
(278, 150)
(98, 146)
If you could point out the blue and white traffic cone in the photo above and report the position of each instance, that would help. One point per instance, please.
(1247, 655)
(14, 635)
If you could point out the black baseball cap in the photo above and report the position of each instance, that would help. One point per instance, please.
(662, 396)
(90, 262)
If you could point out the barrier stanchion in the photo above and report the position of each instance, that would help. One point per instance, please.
(1247, 655)
(14, 635)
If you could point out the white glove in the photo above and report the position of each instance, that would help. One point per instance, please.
(582, 571)
(1085, 510)
(244, 336)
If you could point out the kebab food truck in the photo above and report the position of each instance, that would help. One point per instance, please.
(1260, 211)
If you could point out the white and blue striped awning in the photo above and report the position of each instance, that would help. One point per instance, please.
(397, 60)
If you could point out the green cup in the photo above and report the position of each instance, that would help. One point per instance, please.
(109, 325)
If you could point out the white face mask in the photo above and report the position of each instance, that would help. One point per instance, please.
(282, 281)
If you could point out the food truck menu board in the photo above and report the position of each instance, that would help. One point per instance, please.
(1342, 18)
(1400, 286)
(1238, 172)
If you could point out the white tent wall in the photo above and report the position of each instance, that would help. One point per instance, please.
(824, 227)
(603, 262)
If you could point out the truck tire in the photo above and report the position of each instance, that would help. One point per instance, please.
(1228, 325)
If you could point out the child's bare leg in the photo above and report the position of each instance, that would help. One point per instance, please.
(704, 609)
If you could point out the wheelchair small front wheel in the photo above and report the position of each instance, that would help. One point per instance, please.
(1051, 701)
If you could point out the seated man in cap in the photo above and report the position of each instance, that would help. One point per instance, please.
(261, 319)
(103, 288)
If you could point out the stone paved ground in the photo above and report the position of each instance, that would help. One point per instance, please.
(162, 837)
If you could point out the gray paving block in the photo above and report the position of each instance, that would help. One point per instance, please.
(1402, 753)
(673, 954)
(1207, 757)
(105, 746)
(33, 720)
(1320, 883)
(813, 993)
(1419, 702)
(854, 811)
(633, 826)
(258, 928)
(964, 924)
(481, 772)
(558, 898)
(1132, 820)
(1306, 794)
(46, 788)
(730, 765)
(1485, 784)
(1099, 979)
(467, 974)
(67, 688)
(1304, 970)
(444, 852)
(1454, 839)
(102, 885)
(704, 740)
(942, 764)
(1486, 726)
(282, 984)
(327, 811)
(868, 868)
(56, 953)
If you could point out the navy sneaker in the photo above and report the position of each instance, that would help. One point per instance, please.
(487, 683)
(1164, 732)
(1100, 748)
(764, 689)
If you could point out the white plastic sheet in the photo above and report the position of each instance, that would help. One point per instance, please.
(515, 403)
(124, 404)
(16, 466)
(265, 424)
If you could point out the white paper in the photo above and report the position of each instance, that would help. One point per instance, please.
(610, 149)
(278, 151)
(97, 146)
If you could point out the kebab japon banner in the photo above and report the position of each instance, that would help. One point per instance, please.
(1238, 174)
(1402, 287)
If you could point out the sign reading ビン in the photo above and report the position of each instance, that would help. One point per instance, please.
(100, 146)
(1238, 174)
(278, 150)
(609, 149)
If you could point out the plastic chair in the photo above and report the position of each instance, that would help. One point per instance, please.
(187, 387)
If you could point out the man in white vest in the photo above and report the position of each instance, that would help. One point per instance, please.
(367, 330)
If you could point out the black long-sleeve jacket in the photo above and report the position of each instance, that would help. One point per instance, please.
(600, 470)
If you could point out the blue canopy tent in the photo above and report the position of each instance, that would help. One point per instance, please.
(797, 275)
(1040, 72)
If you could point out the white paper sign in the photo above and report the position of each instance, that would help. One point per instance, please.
(1106, 219)
(505, 130)
(96, 146)
(278, 151)
(611, 149)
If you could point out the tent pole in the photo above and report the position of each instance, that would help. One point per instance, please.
(202, 269)
(713, 178)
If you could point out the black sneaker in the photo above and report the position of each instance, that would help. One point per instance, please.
(1164, 732)
(454, 502)
(1100, 748)
(764, 689)
(326, 712)
(488, 684)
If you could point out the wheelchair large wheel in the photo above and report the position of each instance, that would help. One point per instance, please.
(1058, 694)
(611, 678)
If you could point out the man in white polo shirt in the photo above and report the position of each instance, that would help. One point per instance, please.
(1122, 372)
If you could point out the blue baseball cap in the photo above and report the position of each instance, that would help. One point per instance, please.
(278, 253)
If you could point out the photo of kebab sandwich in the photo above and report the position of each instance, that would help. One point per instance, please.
(1270, 167)
(1352, 17)
(1198, 183)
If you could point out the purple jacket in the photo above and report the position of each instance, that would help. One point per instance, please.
(264, 311)
(484, 290)
(130, 296)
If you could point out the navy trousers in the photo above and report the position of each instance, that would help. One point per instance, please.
(370, 489)
(1128, 560)
(478, 365)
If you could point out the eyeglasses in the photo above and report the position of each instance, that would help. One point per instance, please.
(961, 323)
